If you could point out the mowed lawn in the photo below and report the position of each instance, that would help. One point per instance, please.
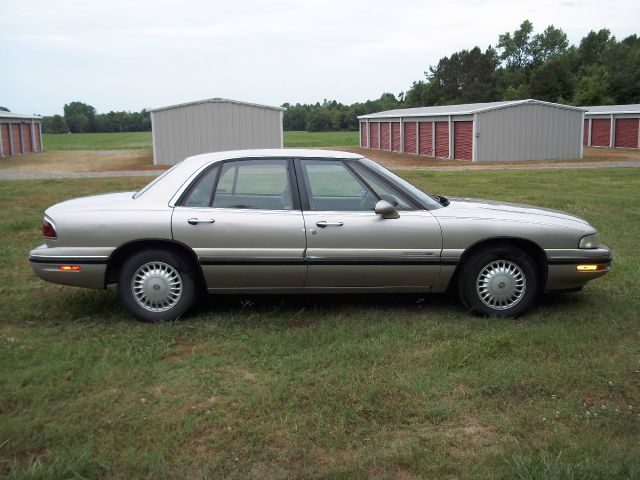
(138, 140)
(397, 386)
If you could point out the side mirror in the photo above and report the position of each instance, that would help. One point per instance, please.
(387, 210)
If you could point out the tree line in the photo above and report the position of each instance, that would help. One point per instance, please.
(600, 70)
(82, 118)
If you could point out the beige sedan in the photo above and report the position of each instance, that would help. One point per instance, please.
(309, 221)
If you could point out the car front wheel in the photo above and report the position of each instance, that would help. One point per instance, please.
(157, 286)
(501, 281)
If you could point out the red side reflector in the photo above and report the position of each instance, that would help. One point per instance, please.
(69, 268)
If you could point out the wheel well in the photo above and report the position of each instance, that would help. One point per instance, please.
(120, 255)
(530, 248)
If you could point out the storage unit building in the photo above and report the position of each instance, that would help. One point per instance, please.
(212, 125)
(19, 133)
(494, 131)
(613, 126)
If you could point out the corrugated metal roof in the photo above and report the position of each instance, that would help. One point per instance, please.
(19, 116)
(215, 100)
(462, 109)
(612, 109)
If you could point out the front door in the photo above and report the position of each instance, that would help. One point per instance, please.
(349, 245)
(243, 220)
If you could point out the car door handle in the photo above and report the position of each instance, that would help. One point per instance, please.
(195, 221)
(323, 224)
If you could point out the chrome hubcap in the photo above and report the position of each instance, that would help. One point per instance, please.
(501, 284)
(156, 286)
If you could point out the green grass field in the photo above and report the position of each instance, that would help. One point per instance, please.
(97, 141)
(137, 140)
(328, 386)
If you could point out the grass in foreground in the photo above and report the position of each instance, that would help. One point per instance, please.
(140, 140)
(328, 386)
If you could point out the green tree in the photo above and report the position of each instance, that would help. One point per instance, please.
(77, 122)
(319, 119)
(80, 117)
(517, 50)
(57, 125)
(548, 44)
(592, 87)
(554, 80)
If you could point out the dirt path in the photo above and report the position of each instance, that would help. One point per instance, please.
(118, 163)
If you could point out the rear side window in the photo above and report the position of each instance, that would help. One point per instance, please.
(201, 192)
(255, 184)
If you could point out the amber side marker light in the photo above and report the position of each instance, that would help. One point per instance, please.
(69, 268)
(587, 268)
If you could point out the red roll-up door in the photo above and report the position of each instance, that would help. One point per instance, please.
(26, 137)
(626, 134)
(384, 136)
(38, 137)
(585, 134)
(6, 146)
(395, 136)
(410, 137)
(600, 132)
(15, 137)
(375, 126)
(363, 134)
(463, 140)
(442, 139)
(426, 142)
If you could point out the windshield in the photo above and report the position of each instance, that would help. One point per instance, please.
(425, 199)
(153, 182)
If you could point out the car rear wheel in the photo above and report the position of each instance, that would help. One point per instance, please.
(157, 286)
(501, 281)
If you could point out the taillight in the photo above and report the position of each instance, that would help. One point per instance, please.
(48, 230)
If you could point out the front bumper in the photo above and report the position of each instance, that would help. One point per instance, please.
(562, 267)
(52, 264)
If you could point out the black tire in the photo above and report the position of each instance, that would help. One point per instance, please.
(508, 286)
(166, 286)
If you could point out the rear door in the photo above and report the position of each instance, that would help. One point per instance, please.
(349, 245)
(243, 220)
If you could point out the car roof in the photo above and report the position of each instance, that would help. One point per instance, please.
(206, 158)
(165, 186)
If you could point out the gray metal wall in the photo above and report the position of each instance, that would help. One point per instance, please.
(528, 132)
(187, 130)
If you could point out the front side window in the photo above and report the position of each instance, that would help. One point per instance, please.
(255, 184)
(384, 191)
(331, 186)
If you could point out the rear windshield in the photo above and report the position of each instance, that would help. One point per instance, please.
(153, 182)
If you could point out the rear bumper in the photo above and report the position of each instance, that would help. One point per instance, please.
(563, 272)
(77, 270)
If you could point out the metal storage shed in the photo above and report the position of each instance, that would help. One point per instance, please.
(494, 131)
(19, 133)
(614, 126)
(212, 125)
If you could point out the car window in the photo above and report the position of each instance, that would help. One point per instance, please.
(331, 186)
(384, 191)
(199, 193)
(256, 184)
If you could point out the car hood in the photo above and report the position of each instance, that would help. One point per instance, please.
(107, 201)
(479, 208)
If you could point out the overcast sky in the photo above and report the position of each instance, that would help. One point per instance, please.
(129, 55)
